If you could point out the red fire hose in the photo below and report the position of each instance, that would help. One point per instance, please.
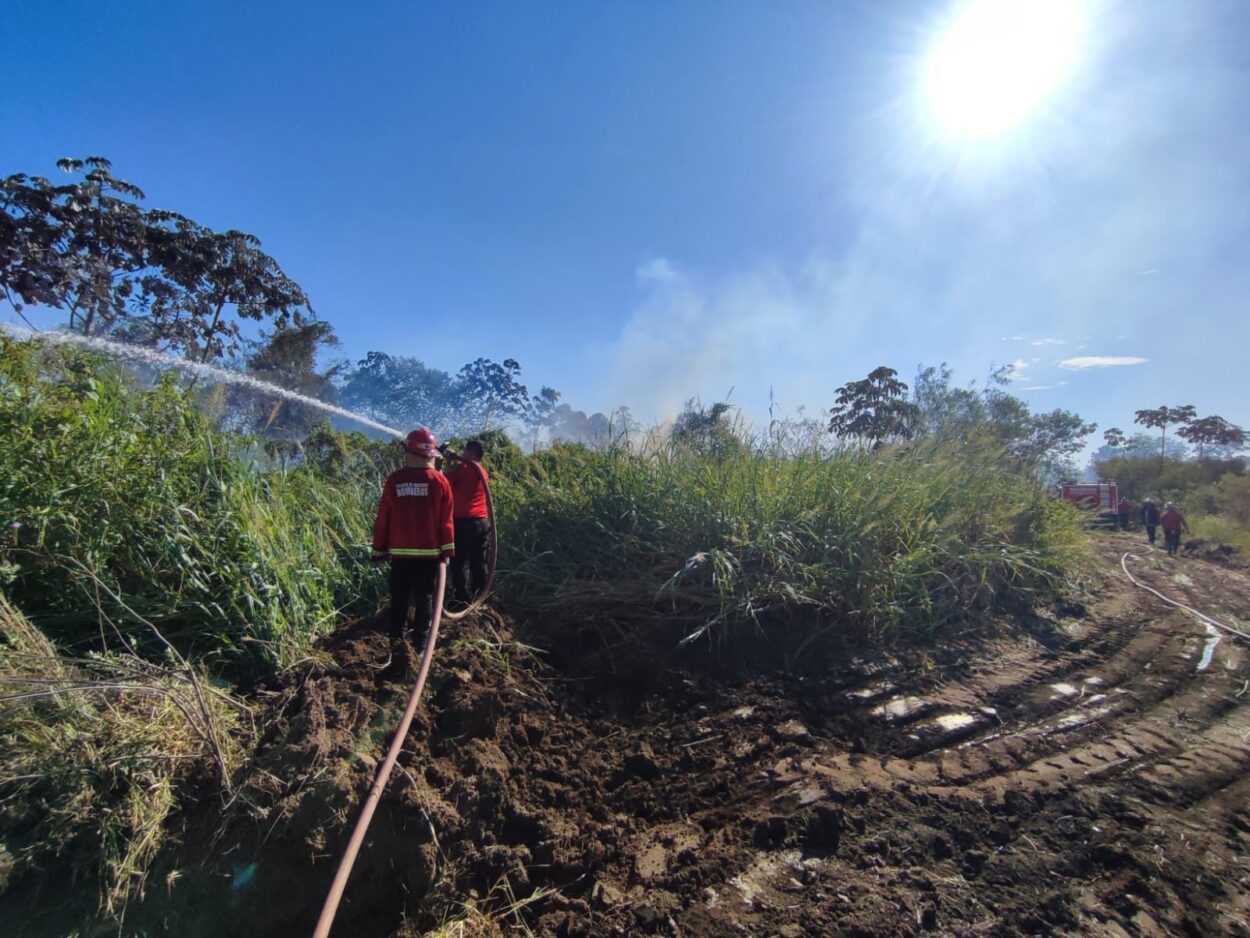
(335, 895)
(384, 772)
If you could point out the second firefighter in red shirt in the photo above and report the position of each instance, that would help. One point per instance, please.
(468, 480)
(414, 530)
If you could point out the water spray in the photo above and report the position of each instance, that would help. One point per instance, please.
(208, 372)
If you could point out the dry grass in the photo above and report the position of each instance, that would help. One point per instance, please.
(96, 752)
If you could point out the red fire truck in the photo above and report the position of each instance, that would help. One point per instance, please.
(1102, 498)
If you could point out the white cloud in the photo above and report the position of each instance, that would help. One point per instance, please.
(1047, 342)
(657, 270)
(1101, 361)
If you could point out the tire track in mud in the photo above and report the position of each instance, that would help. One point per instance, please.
(1135, 715)
(1127, 696)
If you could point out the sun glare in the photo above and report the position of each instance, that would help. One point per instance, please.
(999, 60)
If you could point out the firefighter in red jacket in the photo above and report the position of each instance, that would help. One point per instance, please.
(414, 531)
(468, 487)
(1172, 522)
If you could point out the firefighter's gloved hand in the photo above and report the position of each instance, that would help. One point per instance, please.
(378, 558)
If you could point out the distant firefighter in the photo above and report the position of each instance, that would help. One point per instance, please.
(468, 486)
(1173, 523)
(1125, 509)
(1150, 518)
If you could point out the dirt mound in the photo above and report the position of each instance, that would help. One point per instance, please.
(1083, 774)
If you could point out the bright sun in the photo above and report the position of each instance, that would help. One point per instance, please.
(999, 60)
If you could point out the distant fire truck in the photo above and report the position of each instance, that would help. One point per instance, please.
(1100, 497)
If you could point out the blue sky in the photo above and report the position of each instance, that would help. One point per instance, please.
(643, 202)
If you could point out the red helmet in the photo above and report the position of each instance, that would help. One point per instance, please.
(421, 442)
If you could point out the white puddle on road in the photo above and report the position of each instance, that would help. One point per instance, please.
(902, 708)
(951, 722)
(1208, 649)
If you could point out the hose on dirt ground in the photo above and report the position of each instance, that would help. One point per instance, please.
(384, 772)
(1172, 602)
(492, 551)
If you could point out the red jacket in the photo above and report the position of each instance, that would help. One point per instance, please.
(414, 515)
(468, 490)
(1172, 521)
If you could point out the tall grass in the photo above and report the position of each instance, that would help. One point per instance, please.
(228, 556)
(892, 545)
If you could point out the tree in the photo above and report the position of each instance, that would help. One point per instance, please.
(152, 276)
(400, 392)
(1212, 431)
(489, 391)
(1161, 417)
(288, 358)
(1114, 437)
(207, 273)
(874, 409)
(945, 412)
(77, 247)
(540, 412)
(1053, 439)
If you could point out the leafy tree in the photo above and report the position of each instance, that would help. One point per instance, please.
(288, 358)
(210, 273)
(874, 409)
(1161, 417)
(401, 392)
(1212, 431)
(1114, 437)
(540, 412)
(78, 247)
(490, 393)
(944, 411)
(1053, 439)
(152, 276)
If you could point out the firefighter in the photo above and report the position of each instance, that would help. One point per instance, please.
(1150, 518)
(414, 531)
(1126, 510)
(468, 486)
(1173, 523)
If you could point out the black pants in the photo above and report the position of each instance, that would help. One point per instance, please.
(1150, 531)
(468, 567)
(1172, 541)
(412, 576)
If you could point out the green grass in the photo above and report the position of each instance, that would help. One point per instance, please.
(871, 547)
(232, 559)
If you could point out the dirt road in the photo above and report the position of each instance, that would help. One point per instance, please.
(1081, 774)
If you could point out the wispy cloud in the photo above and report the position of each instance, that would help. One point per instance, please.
(1047, 342)
(1102, 361)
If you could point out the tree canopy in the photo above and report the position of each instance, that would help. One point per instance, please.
(90, 248)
